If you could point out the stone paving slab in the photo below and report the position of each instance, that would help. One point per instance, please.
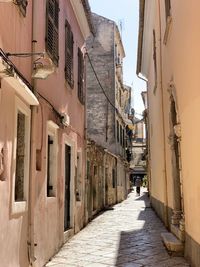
(127, 236)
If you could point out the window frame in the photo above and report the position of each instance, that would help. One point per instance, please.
(22, 205)
(52, 131)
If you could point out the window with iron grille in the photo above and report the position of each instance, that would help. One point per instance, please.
(167, 8)
(20, 157)
(51, 158)
(80, 76)
(69, 44)
(22, 6)
(52, 23)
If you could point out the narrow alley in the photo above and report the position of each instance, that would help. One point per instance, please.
(129, 235)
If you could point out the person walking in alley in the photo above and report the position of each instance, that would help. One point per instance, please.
(138, 183)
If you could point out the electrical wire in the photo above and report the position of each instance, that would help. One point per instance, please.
(97, 78)
(55, 111)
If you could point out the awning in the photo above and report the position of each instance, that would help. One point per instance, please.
(15, 79)
(139, 170)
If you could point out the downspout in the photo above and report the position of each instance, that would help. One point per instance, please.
(32, 174)
(163, 120)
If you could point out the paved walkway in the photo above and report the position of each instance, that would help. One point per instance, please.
(127, 236)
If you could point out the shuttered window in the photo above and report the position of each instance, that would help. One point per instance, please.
(167, 8)
(117, 131)
(52, 18)
(154, 60)
(80, 76)
(69, 44)
(22, 6)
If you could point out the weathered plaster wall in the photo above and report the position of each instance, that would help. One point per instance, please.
(100, 114)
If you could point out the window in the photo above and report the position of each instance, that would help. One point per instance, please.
(69, 44)
(52, 22)
(113, 178)
(120, 97)
(80, 76)
(167, 8)
(22, 6)
(154, 60)
(121, 137)
(88, 169)
(117, 131)
(168, 20)
(78, 182)
(21, 151)
(51, 159)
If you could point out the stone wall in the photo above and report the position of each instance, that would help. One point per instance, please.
(100, 113)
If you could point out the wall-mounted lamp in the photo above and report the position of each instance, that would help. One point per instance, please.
(43, 65)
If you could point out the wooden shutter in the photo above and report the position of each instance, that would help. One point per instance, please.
(80, 76)
(52, 29)
(69, 44)
(167, 8)
(154, 59)
(22, 6)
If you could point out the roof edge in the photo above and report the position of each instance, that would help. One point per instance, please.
(140, 35)
(88, 13)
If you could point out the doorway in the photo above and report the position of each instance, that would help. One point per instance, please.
(67, 205)
(176, 164)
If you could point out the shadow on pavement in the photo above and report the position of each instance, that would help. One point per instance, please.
(143, 246)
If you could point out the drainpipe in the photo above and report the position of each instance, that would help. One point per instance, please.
(163, 120)
(32, 173)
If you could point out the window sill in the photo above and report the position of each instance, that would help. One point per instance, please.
(167, 29)
(51, 198)
(19, 207)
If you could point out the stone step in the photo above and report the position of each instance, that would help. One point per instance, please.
(172, 243)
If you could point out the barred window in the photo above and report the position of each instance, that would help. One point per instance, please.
(21, 150)
(69, 44)
(167, 8)
(80, 76)
(51, 158)
(52, 23)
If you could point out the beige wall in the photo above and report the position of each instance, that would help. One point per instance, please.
(178, 75)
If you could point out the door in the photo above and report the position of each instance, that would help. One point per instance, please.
(67, 187)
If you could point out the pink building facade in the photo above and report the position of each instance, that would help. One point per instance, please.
(42, 128)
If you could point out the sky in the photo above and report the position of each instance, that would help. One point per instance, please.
(126, 13)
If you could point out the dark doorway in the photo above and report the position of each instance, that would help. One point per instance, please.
(67, 187)
(106, 186)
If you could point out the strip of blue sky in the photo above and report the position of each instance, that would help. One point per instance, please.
(125, 13)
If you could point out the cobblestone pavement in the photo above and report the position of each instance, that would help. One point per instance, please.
(127, 236)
